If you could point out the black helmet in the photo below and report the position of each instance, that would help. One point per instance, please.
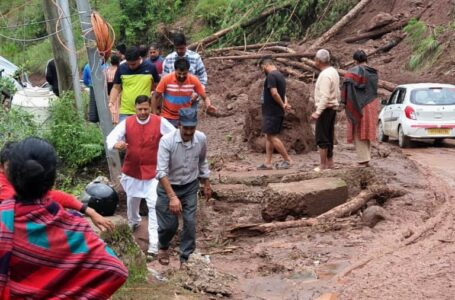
(101, 197)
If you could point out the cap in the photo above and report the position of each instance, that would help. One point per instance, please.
(188, 117)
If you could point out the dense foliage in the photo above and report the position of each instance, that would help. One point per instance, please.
(77, 142)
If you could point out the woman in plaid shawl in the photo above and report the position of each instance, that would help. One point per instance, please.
(359, 95)
(45, 252)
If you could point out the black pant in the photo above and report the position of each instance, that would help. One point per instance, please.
(92, 109)
(325, 130)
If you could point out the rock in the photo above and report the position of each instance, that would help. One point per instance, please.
(380, 20)
(238, 193)
(303, 198)
(201, 277)
(374, 214)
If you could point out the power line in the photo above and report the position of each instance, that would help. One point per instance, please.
(37, 22)
(30, 40)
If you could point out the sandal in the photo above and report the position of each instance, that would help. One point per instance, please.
(283, 165)
(163, 257)
(264, 167)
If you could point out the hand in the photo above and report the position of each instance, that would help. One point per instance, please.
(121, 146)
(314, 116)
(194, 97)
(207, 191)
(287, 107)
(99, 221)
(175, 206)
(211, 109)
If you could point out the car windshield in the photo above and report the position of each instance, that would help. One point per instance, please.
(433, 96)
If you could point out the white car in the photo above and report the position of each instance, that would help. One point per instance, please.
(418, 111)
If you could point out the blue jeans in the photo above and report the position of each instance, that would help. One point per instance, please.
(168, 223)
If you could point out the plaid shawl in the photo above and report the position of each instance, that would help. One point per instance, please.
(360, 87)
(46, 253)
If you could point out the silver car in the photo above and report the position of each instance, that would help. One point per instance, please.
(418, 111)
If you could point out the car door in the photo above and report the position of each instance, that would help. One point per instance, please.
(387, 115)
(397, 110)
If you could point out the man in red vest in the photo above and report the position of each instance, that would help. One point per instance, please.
(139, 135)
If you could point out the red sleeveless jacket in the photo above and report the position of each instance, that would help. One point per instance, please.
(142, 152)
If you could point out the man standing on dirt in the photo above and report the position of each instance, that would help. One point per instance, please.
(134, 78)
(182, 163)
(326, 98)
(274, 104)
(139, 136)
(177, 90)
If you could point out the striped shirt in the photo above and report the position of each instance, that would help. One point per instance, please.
(197, 67)
(177, 95)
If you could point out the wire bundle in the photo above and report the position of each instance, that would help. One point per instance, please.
(104, 39)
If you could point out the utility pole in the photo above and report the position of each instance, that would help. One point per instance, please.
(99, 87)
(61, 55)
(67, 32)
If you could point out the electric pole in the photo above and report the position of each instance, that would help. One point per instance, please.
(99, 87)
(62, 56)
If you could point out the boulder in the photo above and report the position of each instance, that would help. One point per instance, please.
(380, 20)
(238, 193)
(308, 198)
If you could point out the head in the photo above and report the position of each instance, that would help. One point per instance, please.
(115, 60)
(188, 123)
(133, 59)
(143, 51)
(5, 154)
(267, 65)
(121, 48)
(154, 51)
(32, 168)
(143, 107)
(180, 44)
(181, 66)
(322, 59)
(360, 57)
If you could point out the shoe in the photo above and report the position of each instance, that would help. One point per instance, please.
(264, 167)
(134, 227)
(282, 165)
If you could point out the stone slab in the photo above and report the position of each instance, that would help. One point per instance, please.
(307, 198)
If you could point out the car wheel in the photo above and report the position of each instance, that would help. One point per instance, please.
(381, 136)
(403, 140)
(438, 142)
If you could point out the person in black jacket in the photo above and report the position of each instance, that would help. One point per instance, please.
(51, 76)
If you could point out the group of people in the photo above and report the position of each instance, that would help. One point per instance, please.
(357, 95)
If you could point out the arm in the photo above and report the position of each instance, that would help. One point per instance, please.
(324, 94)
(156, 102)
(114, 99)
(277, 98)
(166, 127)
(116, 138)
(98, 220)
(201, 73)
(204, 171)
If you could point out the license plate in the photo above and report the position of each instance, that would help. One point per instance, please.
(438, 131)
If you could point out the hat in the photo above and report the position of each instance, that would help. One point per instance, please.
(188, 117)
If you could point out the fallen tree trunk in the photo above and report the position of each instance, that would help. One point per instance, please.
(296, 64)
(245, 24)
(280, 49)
(248, 47)
(262, 55)
(295, 73)
(380, 32)
(387, 47)
(339, 211)
(340, 24)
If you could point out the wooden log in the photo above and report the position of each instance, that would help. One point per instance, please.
(264, 15)
(385, 48)
(262, 55)
(381, 31)
(339, 211)
(339, 25)
(297, 64)
(248, 47)
(293, 72)
(279, 49)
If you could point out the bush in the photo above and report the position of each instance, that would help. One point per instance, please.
(16, 125)
(425, 46)
(77, 142)
(7, 84)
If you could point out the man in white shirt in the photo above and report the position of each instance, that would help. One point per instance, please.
(326, 98)
(139, 135)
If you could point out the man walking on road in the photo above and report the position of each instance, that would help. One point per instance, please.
(134, 78)
(326, 98)
(182, 163)
(274, 104)
(139, 136)
(178, 89)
